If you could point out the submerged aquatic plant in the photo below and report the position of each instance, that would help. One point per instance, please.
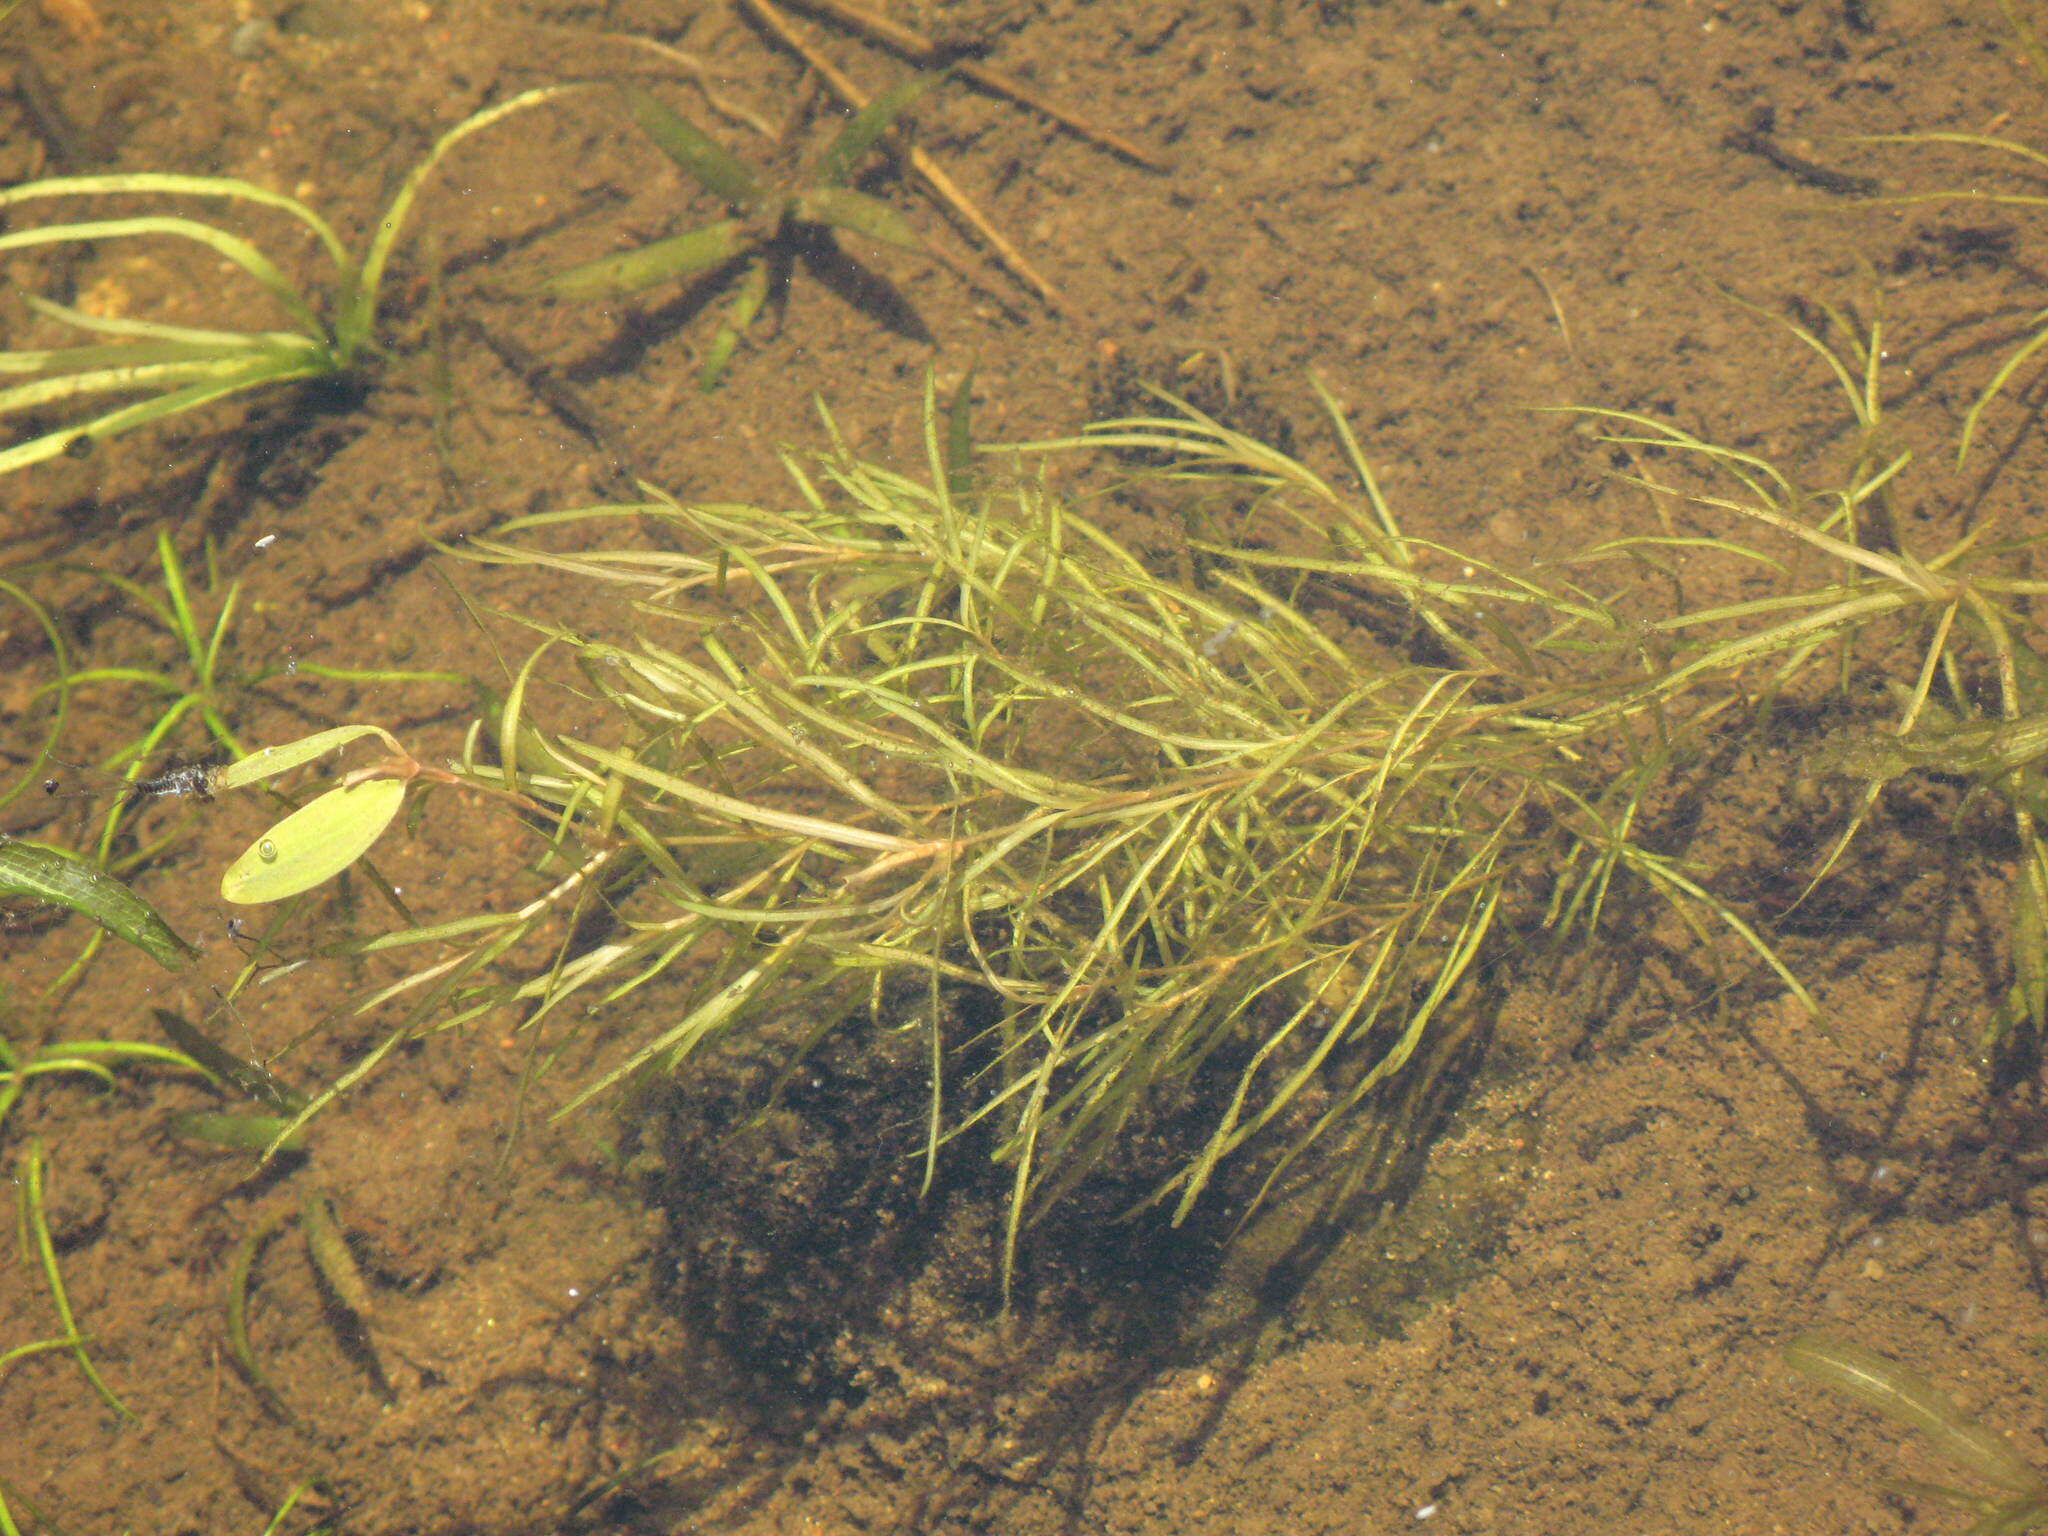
(1976, 705)
(165, 369)
(1244, 840)
(769, 224)
(1236, 841)
(1909, 1398)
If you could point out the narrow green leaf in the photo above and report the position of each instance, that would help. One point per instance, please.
(64, 880)
(240, 1346)
(662, 261)
(130, 376)
(261, 1134)
(155, 183)
(154, 334)
(955, 466)
(712, 165)
(358, 309)
(835, 165)
(844, 208)
(230, 247)
(35, 1223)
(261, 371)
(331, 1256)
(1909, 1398)
(268, 762)
(250, 1078)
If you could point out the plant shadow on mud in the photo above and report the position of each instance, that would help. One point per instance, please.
(832, 1290)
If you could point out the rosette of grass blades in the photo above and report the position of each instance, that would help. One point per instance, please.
(770, 223)
(158, 369)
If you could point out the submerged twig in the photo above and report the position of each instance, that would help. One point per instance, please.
(942, 184)
(923, 50)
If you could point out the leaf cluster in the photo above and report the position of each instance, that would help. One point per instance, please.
(2024, 158)
(1243, 837)
(162, 369)
(1978, 697)
(768, 224)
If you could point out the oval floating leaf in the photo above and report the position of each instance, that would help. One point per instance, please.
(30, 869)
(316, 842)
(267, 762)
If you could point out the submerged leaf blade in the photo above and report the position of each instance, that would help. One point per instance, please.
(844, 208)
(268, 762)
(835, 165)
(662, 261)
(313, 844)
(1907, 1397)
(710, 163)
(62, 879)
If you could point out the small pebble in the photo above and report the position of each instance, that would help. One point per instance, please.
(250, 40)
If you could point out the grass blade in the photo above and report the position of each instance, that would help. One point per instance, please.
(36, 1227)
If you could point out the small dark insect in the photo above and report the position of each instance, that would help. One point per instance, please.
(176, 780)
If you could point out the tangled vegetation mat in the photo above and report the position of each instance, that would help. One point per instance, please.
(1545, 1292)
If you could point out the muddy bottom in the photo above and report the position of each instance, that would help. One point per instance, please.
(1551, 1304)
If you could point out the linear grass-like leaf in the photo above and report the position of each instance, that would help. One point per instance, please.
(836, 163)
(158, 332)
(126, 378)
(35, 1225)
(710, 164)
(857, 213)
(1909, 1398)
(668, 260)
(65, 880)
(356, 313)
(238, 1285)
(263, 372)
(156, 183)
(268, 762)
(229, 247)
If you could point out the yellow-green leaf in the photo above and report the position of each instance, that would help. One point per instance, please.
(267, 762)
(316, 842)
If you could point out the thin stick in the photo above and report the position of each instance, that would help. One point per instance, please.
(1556, 311)
(924, 50)
(941, 184)
(700, 73)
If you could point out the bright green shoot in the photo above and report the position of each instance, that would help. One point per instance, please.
(201, 682)
(21, 1062)
(161, 369)
(769, 223)
(38, 1246)
(194, 686)
(197, 685)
